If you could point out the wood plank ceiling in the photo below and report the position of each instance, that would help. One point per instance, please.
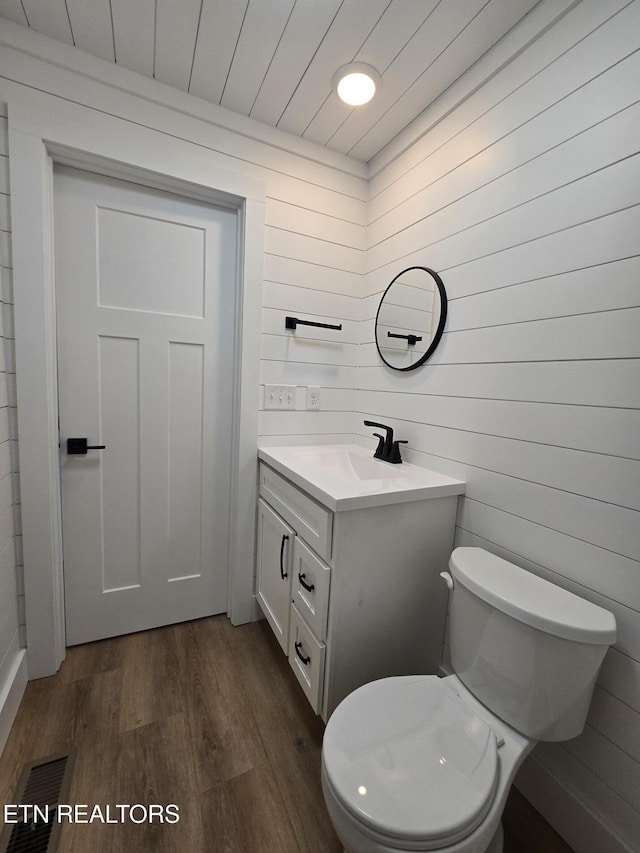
(274, 60)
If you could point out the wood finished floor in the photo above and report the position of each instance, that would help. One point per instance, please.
(205, 716)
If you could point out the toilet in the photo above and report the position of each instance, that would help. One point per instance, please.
(426, 763)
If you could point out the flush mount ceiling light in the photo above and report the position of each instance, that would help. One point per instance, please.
(356, 83)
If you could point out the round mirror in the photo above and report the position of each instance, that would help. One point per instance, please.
(411, 318)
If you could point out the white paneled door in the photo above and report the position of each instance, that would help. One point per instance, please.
(145, 289)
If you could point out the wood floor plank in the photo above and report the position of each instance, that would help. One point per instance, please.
(151, 679)
(225, 740)
(293, 737)
(247, 814)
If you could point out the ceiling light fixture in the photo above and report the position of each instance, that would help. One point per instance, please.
(356, 83)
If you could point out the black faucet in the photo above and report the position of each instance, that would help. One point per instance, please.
(387, 450)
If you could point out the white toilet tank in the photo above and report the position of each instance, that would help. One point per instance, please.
(527, 649)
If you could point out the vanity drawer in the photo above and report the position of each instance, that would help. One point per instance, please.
(310, 520)
(310, 588)
(306, 656)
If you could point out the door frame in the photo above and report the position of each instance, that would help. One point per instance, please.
(100, 143)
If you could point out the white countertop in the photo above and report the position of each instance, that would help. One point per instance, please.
(346, 476)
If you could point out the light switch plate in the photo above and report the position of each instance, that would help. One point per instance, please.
(279, 396)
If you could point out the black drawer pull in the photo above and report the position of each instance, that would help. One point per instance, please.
(283, 574)
(304, 660)
(308, 586)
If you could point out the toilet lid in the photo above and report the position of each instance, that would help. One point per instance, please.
(410, 760)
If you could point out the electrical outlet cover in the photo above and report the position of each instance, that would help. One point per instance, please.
(313, 397)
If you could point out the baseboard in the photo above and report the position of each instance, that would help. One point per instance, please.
(256, 610)
(582, 829)
(12, 684)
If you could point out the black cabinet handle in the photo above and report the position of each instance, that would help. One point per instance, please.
(283, 574)
(304, 660)
(308, 586)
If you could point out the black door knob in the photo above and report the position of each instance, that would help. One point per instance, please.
(79, 446)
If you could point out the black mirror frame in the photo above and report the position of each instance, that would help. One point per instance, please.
(441, 322)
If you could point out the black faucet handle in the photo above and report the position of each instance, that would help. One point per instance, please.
(380, 448)
(394, 456)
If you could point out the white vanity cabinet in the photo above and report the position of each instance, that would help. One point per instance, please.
(351, 588)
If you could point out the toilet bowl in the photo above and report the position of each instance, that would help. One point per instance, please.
(417, 763)
(427, 768)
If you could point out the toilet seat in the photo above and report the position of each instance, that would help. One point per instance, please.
(410, 762)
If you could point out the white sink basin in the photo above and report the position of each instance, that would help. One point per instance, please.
(345, 462)
(346, 476)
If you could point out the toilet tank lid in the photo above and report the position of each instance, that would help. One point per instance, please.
(531, 599)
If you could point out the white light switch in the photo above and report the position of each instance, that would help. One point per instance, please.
(279, 396)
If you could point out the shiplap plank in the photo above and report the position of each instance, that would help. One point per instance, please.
(399, 24)
(302, 220)
(306, 350)
(600, 288)
(220, 24)
(578, 802)
(4, 136)
(585, 244)
(294, 373)
(451, 205)
(451, 174)
(261, 31)
(91, 27)
(49, 18)
(609, 762)
(611, 334)
(5, 213)
(304, 33)
(134, 34)
(290, 299)
(288, 244)
(547, 64)
(475, 36)
(604, 572)
(590, 475)
(316, 276)
(620, 676)
(605, 525)
(283, 423)
(349, 30)
(608, 382)
(4, 174)
(13, 10)
(593, 196)
(614, 432)
(176, 31)
(616, 721)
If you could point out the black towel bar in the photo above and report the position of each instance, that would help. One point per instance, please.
(412, 340)
(292, 322)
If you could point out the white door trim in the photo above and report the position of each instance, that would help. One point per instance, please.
(97, 142)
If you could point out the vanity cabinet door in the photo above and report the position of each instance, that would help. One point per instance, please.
(275, 550)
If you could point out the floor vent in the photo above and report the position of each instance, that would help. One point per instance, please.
(39, 794)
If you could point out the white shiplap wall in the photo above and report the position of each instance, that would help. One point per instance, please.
(11, 587)
(526, 198)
